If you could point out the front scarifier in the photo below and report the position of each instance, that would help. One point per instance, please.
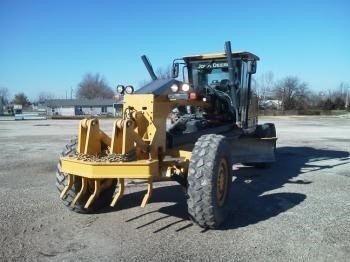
(189, 131)
(100, 160)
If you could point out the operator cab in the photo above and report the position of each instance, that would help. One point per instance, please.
(228, 89)
(212, 70)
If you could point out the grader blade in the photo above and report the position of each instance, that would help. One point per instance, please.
(253, 150)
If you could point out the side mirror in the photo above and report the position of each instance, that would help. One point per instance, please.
(175, 71)
(252, 67)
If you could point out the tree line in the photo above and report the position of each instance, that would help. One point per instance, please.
(291, 92)
(294, 94)
(91, 86)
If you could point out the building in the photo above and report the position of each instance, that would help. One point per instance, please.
(78, 107)
(271, 104)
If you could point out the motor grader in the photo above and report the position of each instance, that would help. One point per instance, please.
(190, 128)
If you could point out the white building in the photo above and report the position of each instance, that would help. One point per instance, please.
(77, 107)
(271, 104)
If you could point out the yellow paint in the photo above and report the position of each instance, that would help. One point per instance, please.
(82, 191)
(136, 169)
(68, 186)
(95, 194)
(120, 192)
(143, 128)
(238, 54)
(148, 195)
(90, 137)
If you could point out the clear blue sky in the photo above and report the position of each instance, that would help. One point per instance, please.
(49, 45)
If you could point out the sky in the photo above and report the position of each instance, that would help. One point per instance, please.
(48, 46)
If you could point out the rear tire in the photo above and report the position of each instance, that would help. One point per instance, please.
(61, 181)
(209, 181)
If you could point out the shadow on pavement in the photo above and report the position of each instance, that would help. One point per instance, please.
(251, 200)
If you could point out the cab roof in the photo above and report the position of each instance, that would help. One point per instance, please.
(238, 54)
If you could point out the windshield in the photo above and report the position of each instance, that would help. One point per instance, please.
(209, 73)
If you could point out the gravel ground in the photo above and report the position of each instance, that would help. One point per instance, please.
(297, 210)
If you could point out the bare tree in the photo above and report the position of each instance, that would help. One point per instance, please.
(344, 94)
(334, 99)
(316, 99)
(164, 73)
(293, 93)
(338, 97)
(161, 73)
(264, 85)
(4, 95)
(254, 85)
(43, 96)
(21, 99)
(94, 86)
(303, 96)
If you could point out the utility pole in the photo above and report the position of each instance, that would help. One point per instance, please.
(347, 98)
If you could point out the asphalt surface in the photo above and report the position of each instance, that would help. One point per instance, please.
(297, 210)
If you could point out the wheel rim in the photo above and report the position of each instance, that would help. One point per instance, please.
(221, 186)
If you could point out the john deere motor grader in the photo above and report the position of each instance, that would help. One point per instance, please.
(191, 131)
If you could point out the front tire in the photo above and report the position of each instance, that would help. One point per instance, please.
(209, 181)
(61, 181)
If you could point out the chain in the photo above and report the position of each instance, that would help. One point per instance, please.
(107, 157)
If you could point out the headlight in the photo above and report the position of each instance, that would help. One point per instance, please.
(174, 88)
(120, 89)
(185, 87)
(129, 89)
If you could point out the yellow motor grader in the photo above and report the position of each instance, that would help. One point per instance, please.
(190, 130)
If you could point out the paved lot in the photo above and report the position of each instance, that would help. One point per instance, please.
(298, 210)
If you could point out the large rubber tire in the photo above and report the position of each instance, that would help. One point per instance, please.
(61, 180)
(209, 181)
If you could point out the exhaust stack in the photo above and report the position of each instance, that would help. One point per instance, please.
(149, 67)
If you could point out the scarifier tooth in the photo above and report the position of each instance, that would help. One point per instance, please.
(68, 186)
(148, 195)
(95, 194)
(82, 190)
(120, 192)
